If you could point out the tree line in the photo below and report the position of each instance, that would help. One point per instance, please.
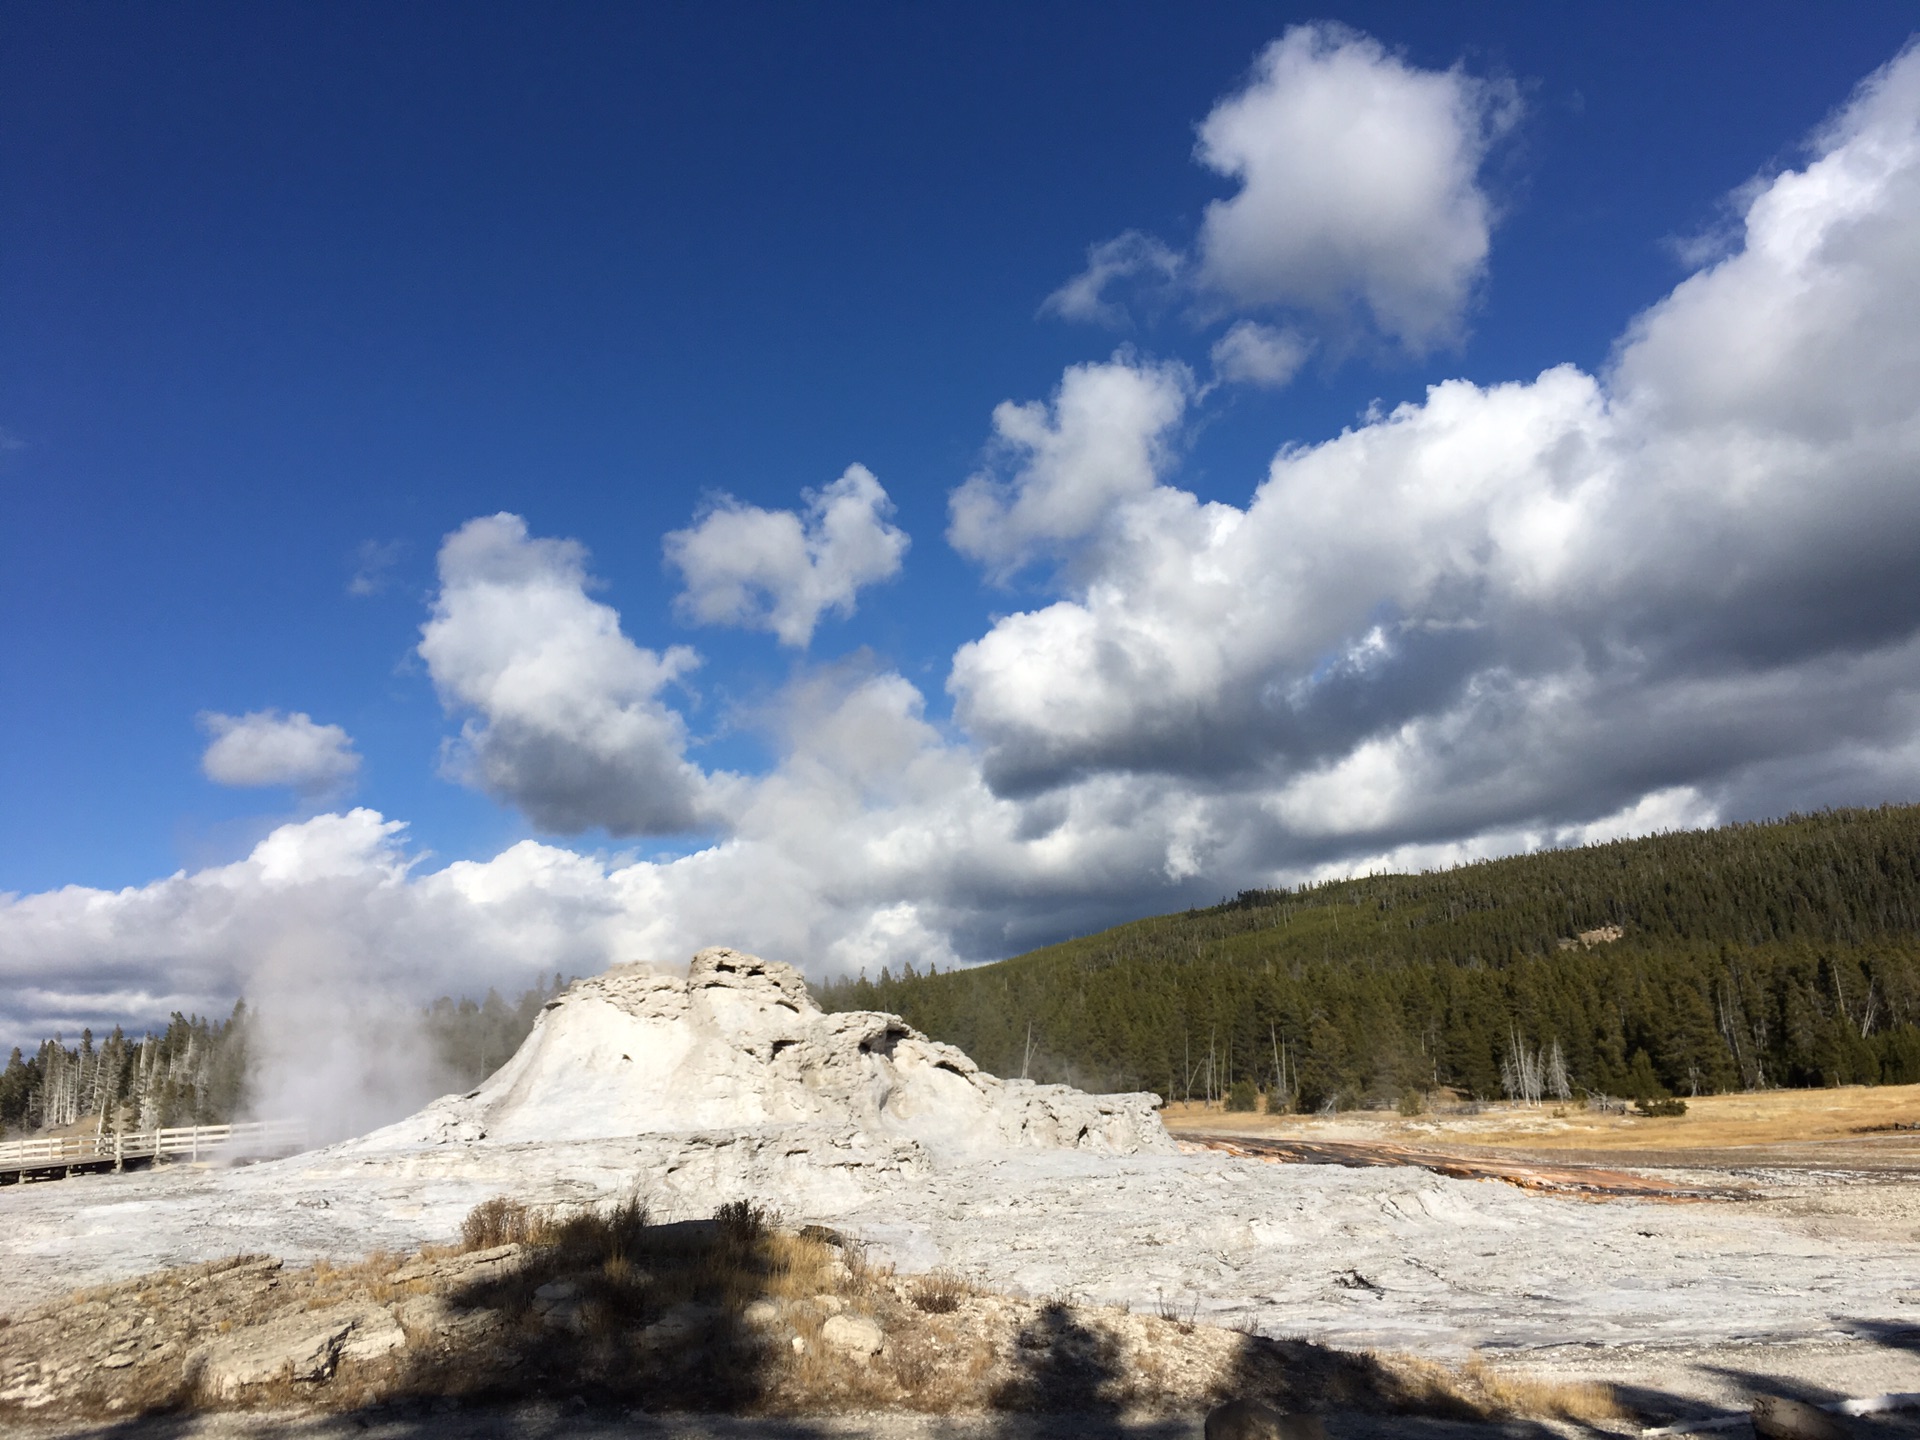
(200, 1072)
(195, 1072)
(1784, 953)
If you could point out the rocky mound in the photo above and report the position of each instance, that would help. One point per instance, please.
(738, 1043)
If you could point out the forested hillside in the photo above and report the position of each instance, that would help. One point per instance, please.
(200, 1072)
(1785, 953)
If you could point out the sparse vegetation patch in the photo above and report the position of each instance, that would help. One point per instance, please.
(739, 1313)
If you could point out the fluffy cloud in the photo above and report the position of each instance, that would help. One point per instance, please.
(775, 570)
(1544, 599)
(1359, 193)
(565, 719)
(1102, 440)
(1360, 210)
(264, 747)
(329, 923)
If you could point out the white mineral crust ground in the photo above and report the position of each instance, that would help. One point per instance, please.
(731, 1084)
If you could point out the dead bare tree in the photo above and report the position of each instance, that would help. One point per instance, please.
(1556, 1081)
(1529, 1072)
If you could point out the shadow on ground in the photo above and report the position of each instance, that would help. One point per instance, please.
(693, 1329)
(548, 1422)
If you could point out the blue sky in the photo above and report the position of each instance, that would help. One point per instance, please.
(291, 294)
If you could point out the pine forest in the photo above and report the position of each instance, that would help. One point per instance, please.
(1755, 955)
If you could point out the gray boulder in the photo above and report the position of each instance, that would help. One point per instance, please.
(305, 1346)
(853, 1335)
(1777, 1418)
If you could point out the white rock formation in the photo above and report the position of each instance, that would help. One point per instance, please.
(739, 1044)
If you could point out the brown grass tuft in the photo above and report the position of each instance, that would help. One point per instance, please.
(1521, 1397)
(939, 1292)
(1479, 1390)
(500, 1221)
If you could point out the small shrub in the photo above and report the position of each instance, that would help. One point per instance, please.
(588, 1239)
(1182, 1319)
(1242, 1096)
(1411, 1103)
(939, 1292)
(863, 1274)
(1669, 1108)
(500, 1221)
(743, 1222)
(913, 1366)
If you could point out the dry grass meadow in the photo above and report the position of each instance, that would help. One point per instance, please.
(1853, 1117)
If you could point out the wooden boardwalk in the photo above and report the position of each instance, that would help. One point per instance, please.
(53, 1159)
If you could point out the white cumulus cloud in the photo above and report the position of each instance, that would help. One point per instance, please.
(779, 571)
(1359, 186)
(565, 719)
(1103, 439)
(1548, 598)
(265, 747)
(1360, 214)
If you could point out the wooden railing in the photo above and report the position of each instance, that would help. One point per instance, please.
(192, 1142)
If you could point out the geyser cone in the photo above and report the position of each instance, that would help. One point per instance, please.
(739, 1043)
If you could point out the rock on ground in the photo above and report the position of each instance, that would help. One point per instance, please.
(304, 1346)
(853, 1335)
